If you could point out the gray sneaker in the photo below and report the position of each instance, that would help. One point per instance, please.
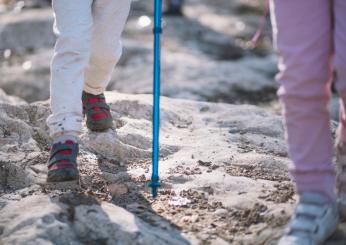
(313, 222)
(341, 175)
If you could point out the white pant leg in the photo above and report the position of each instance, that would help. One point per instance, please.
(109, 21)
(73, 27)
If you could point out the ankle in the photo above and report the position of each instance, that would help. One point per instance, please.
(319, 182)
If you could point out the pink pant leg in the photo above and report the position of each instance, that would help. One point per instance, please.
(340, 59)
(303, 36)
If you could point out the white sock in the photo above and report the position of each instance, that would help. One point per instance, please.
(63, 138)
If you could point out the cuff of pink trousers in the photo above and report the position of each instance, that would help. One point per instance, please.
(323, 182)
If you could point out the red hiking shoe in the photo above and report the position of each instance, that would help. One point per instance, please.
(62, 164)
(97, 112)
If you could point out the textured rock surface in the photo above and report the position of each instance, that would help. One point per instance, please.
(4, 98)
(226, 162)
(28, 30)
(199, 61)
(73, 219)
(223, 167)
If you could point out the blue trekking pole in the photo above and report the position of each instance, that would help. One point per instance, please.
(155, 180)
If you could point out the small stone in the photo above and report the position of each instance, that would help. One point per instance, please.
(221, 212)
(203, 163)
(117, 189)
(204, 109)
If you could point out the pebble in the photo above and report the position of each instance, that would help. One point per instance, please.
(117, 189)
(221, 212)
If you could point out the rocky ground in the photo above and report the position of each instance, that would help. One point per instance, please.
(223, 165)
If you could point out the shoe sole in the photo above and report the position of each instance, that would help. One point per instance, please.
(73, 185)
(62, 175)
(100, 128)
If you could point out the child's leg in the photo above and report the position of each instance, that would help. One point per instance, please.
(109, 21)
(73, 27)
(303, 33)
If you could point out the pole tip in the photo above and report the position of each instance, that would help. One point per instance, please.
(154, 192)
(154, 187)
